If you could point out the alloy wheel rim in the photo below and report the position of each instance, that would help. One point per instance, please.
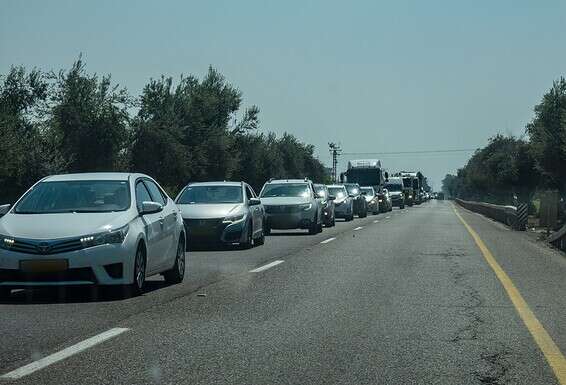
(140, 269)
(181, 259)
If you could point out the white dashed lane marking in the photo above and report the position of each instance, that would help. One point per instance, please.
(328, 240)
(265, 267)
(63, 354)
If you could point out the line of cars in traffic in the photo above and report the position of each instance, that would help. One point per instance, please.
(117, 229)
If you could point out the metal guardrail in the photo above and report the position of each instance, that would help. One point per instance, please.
(558, 238)
(510, 215)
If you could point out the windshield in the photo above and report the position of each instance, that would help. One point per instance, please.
(211, 195)
(285, 190)
(407, 182)
(338, 192)
(320, 191)
(364, 176)
(367, 190)
(394, 187)
(75, 196)
(352, 189)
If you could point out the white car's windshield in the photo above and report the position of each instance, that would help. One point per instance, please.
(211, 195)
(75, 196)
(285, 190)
(338, 192)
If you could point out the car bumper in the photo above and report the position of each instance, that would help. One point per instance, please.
(215, 231)
(102, 265)
(288, 221)
(343, 210)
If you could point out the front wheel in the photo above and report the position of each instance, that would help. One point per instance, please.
(249, 242)
(261, 240)
(177, 273)
(136, 287)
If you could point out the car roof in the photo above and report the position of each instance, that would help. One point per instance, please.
(216, 183)
(122, 176)
(335, 185)
(289, 181)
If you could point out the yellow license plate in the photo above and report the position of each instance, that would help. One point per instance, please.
(44, 266)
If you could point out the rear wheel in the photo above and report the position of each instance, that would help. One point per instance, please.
(177, 273)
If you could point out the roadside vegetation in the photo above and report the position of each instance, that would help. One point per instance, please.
(178, 131)
(510, 166)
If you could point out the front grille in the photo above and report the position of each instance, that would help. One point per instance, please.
(283, 209)
(205, 229)
(43, 247)
(70, 275)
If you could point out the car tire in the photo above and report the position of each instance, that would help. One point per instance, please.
(313, 228)
(266, 230)
(333, 223)
(261, 240)
(249, 243)
(138, 284)
(177, 273)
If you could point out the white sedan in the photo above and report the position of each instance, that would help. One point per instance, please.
(91, 229)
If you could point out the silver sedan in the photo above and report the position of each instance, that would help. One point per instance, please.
(222, 212)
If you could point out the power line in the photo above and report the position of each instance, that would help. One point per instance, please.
(411, 152)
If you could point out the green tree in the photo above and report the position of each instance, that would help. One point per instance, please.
(547, 133)
(25, 146)
(89, 117)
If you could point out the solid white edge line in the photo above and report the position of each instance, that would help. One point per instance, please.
(265, 267)
(358, 228)
(63, 354)
(328, 240)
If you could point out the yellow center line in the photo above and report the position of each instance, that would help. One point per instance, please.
(551, 352)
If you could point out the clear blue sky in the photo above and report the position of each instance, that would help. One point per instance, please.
(373, 75)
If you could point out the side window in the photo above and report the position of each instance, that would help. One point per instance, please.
(156, 193)
(142, 195)
(249, 193)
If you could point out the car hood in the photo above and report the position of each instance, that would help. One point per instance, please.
(209, 211)
(280, 201)
(62, 225)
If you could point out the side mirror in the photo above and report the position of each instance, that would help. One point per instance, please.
(331, 198)
(351, 196)
(254, 202)
(386, 176)
(4, 209)
(148, 207)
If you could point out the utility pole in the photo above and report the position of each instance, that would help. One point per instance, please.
(335, 150)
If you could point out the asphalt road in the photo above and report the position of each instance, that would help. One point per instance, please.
(407, 300)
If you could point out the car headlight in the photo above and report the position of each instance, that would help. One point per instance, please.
(410, 196)
(6, 242)
(306, 206)
(234, 217)
(115, 236)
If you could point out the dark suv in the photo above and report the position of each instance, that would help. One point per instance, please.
(360, 203)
